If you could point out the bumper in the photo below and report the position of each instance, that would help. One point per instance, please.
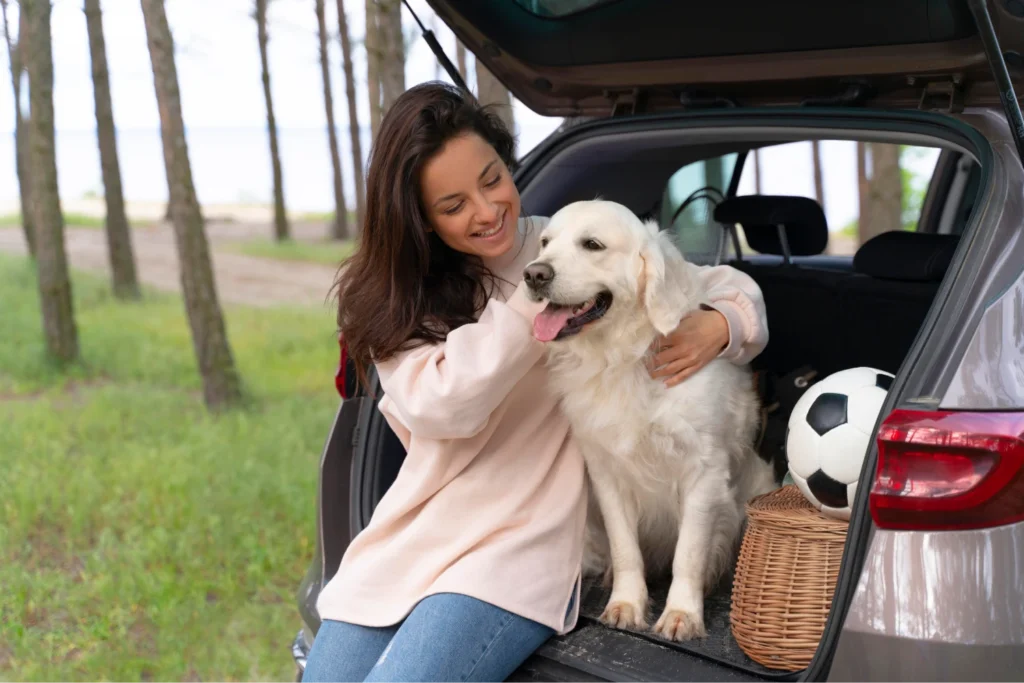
(300, 650)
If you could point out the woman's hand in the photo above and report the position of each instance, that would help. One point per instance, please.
(697, 341)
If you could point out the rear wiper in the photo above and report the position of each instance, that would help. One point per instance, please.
(990, 40)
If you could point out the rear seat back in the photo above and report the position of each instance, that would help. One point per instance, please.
(802, 302)
(884, 304)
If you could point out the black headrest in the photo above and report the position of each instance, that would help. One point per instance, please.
(907, 256)
(760, 215)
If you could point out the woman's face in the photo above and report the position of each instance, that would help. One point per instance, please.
(469, 197)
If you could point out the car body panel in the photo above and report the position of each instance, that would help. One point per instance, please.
(937, 606)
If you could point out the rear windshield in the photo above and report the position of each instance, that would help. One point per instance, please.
(559, 8)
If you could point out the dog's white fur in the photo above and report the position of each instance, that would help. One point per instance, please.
(670, 468)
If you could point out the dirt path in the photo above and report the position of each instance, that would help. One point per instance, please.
(240, 279)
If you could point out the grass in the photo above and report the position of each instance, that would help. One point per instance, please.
(142, 538)
(328, 253)
(77, 220)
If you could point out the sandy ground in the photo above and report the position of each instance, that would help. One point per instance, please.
(240, 279)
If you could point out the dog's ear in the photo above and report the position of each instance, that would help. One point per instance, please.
(664, 287)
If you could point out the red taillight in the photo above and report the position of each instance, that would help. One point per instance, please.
(339, 375)
(949, 470)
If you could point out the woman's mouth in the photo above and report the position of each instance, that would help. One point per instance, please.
(491, 233)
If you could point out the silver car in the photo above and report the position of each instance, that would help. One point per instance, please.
(674, 100)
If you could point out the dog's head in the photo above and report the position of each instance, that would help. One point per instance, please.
(600, 265)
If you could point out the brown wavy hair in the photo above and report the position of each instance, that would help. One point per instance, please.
(403, 286)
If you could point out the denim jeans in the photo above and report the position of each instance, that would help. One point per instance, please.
(446, 637)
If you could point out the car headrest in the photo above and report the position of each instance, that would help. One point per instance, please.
(760, 215)
(907, 256)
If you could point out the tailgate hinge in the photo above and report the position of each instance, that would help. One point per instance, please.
(625, 102)
(945, 94)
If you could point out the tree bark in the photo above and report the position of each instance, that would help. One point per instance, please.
(16, 60)
(884, 192)
(339, 228)
(863, 212)
(392, 51)
(819, 180)
(221, 384)
(373, 66)
(460, 59)
(757, 171)
(353, 115)
(490, 91)
(119, 242)
(52, 268)
(281, 231)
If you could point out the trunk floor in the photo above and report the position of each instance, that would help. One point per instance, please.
(718, 646)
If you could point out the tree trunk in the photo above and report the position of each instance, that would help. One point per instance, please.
(392, 52)
(353, 115)
(119, 241)
(885, 191)
(16, 60)
(54, 283)
(373, 66)
(281, 231)
(863, 212)
(339, 228)
(757, 171)
(490, 91)
(221, 384)
(819, 181)
(460, 59)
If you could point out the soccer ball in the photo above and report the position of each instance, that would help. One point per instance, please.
(829, 432)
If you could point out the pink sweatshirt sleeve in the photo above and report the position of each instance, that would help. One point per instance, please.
(735, 295)
(449, 390)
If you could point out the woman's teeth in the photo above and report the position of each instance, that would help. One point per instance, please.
(493, 231)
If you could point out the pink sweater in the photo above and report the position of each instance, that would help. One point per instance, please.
(490, 501)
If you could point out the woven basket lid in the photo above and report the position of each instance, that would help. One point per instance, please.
(787, 510)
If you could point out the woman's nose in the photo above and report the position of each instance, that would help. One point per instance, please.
(486, 211)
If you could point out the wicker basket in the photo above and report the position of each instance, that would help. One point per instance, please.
(785, 578)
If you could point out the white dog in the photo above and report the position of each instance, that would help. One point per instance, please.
(670, 468)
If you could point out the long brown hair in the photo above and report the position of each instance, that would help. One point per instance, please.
(403, 286)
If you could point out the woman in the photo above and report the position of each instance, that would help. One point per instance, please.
(472, 558)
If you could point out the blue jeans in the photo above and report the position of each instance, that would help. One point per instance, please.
(446, 637)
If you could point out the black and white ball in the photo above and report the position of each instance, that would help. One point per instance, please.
(829, 432)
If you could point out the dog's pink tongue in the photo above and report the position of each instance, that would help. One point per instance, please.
(549, 322)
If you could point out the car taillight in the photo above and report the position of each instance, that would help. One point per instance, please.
(340, 376)
(941, 470)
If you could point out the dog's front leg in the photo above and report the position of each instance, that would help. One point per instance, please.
(627, 606)
(683, 617)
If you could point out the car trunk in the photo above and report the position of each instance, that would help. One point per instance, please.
(630, 160)
(591, 57)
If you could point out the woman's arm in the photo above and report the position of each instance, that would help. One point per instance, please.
(734, 325)
(449, 390)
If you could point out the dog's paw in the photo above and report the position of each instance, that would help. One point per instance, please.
(679, 625)
(624, 615)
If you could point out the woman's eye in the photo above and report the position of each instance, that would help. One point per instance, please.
(492, 183)
(592, 245)
(454, 210)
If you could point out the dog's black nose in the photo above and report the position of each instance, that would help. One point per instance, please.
(538, 274)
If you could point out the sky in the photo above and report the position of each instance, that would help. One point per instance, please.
(218, 63)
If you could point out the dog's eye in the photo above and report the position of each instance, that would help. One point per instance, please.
(543, 242)
(592, 245)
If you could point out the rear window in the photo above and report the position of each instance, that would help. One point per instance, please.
(559, 8)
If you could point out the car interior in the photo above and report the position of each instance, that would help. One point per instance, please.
(826, 310)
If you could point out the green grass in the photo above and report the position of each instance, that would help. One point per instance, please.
(329, 253)
(77, 220)
(142, 538)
